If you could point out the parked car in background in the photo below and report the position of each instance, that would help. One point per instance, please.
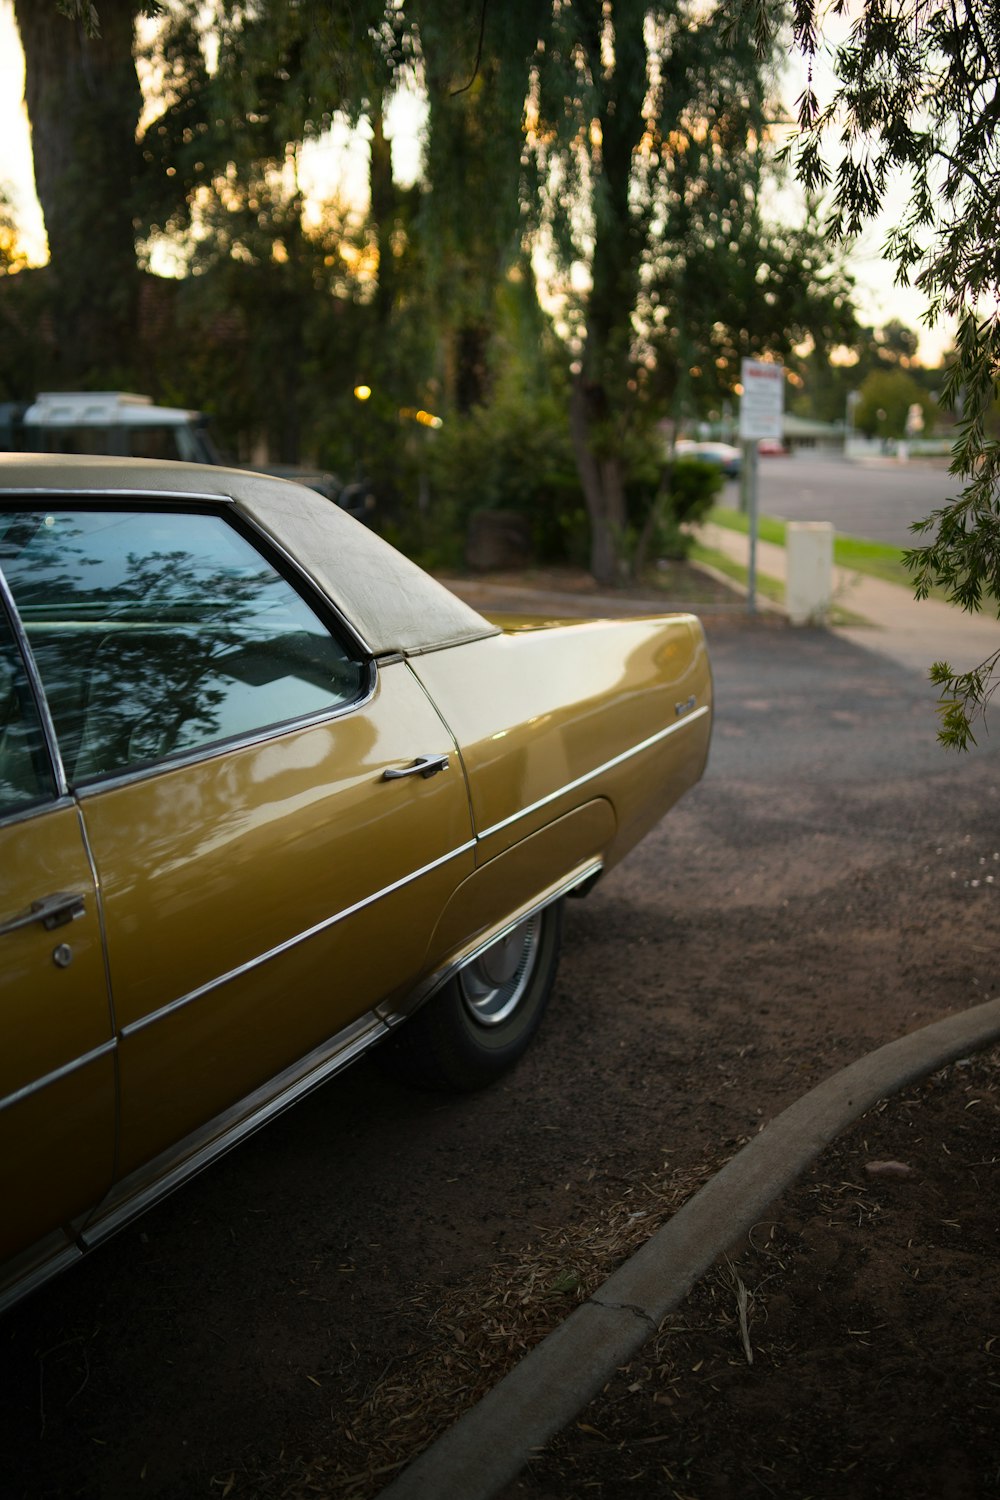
(723, 455)
(270, 795)
(124, 424)
(772, 448)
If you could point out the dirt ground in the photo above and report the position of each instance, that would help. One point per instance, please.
(851, 1347)
(306, 1316)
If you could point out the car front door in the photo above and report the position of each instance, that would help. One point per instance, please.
(265, 884)
(57, 1058)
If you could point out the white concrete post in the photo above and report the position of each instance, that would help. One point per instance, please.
(808, 571)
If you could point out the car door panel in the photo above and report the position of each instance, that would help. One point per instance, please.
(257, 902)
(57, 1064)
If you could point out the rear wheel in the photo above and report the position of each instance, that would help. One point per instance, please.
(481, 1021)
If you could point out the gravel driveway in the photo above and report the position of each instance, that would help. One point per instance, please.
(831, 884)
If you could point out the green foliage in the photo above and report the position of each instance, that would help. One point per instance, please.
(886, 397)
(28, 359)
(826, 386)
(917, 100)
(693, 488)
(648, 165)
(469, 221)
(514, 455)
(89, 16)
(83, 11)
(685, 496)
(622, 136)
(964, 699)
(12, 257)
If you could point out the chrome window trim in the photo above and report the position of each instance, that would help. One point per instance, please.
(300, 937)
(101, 492)
(608, 765)
(128, 1198)
(37, 810)
(37, 689)
(307, 588)
(58, 1073)
(463, 640)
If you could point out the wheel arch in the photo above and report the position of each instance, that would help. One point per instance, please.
(566, 856)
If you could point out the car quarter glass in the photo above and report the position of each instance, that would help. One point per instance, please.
(159, 633)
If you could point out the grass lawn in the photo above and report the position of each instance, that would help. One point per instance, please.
(770, 588)
(877, 559)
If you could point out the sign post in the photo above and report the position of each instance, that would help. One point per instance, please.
(762, 405)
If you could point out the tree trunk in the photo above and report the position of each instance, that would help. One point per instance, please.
(383, 211)
(602, 385)
(603, 481)
(84, 101)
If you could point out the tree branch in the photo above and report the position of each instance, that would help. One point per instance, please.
(479, 55)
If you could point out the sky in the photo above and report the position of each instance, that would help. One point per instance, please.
(877, 298)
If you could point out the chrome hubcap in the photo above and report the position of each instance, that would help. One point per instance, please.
(493, 985)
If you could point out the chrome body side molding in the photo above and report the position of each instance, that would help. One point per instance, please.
(37, 1265)
(74, 1066)
(608, 765)
(585, 875)
(156, 1178)
(292, 942)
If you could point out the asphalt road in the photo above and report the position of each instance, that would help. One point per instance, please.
(826, 888)
(876, 499)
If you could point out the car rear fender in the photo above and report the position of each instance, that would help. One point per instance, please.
(550, 718)
(558, 859)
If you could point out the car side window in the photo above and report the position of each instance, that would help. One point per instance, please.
(25, 771)
(157, 633)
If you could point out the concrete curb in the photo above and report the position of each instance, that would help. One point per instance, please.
(487, 1447)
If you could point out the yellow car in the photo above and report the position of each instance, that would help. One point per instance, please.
(267, 793)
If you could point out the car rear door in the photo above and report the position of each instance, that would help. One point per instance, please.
(265, 884)
(57, 1058)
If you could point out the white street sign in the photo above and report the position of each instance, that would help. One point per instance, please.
(763, 400)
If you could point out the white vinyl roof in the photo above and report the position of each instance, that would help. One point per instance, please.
(393, 604)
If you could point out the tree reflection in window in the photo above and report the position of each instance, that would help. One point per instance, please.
(25, 773)
(156, 633)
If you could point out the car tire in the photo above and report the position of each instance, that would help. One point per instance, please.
(482, 1020)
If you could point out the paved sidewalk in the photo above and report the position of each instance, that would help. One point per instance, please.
(912, 632)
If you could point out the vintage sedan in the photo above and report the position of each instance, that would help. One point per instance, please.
(270, 795)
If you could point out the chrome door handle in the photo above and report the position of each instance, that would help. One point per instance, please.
(424, 765)
(51, 911)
